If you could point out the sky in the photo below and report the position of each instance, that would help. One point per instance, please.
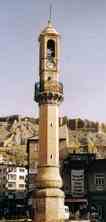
(82, 25)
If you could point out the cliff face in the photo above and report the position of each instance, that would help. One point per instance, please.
(15, 130)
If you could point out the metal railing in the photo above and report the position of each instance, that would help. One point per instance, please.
(48, 86)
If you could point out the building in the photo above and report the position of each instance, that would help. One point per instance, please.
(16, 191)
(97, 189)
(74, 170)
(84, 179)
(3, 177)
(32, 161)
(13, 189)
(16, 178)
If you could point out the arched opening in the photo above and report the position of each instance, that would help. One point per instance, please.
(50, 49)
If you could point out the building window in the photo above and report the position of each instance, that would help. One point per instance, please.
(11, 185)
(21, 177)
(77, 182)
(12, 176)
(100, 210)
(21, 169)
(83, 150)
(14, 169)
(99, 181)
(21, 185)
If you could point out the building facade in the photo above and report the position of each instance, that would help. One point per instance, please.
(97, 189)
(74, 170)
(16, 178)
(84, 179)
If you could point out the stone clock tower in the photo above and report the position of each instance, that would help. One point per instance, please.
(49, 199)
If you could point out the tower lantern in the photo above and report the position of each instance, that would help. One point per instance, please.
(49, 94)
(49, 51)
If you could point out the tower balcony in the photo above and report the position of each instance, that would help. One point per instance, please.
(48, 91)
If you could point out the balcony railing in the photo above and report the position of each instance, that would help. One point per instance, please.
(48, 87)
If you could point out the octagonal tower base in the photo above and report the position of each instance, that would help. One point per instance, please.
(49, 205)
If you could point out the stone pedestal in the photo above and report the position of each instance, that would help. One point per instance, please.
(49, 204)
(49, 199)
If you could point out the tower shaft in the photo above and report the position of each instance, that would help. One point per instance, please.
(49, 134)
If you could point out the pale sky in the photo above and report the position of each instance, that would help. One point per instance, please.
(82, 24)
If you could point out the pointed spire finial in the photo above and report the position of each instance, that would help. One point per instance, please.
(50, 13)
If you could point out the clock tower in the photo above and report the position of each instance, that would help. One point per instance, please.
(49, 198)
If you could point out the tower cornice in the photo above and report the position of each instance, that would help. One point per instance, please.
(49, 30)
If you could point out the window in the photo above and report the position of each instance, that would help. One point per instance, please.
(14, 169)
(77, 182)
(4, 186)
(21, 185)
(12, 176)
(4, 170)
(21, 177)
(100, 210)
(11, 185)
(83, 150)
(21, 169)
(99, 182)
(49, 78)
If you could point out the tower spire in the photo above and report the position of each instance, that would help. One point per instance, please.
(50, 13)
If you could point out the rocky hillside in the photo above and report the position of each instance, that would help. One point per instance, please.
(15, 130)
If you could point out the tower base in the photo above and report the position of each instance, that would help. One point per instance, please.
(49, 205)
